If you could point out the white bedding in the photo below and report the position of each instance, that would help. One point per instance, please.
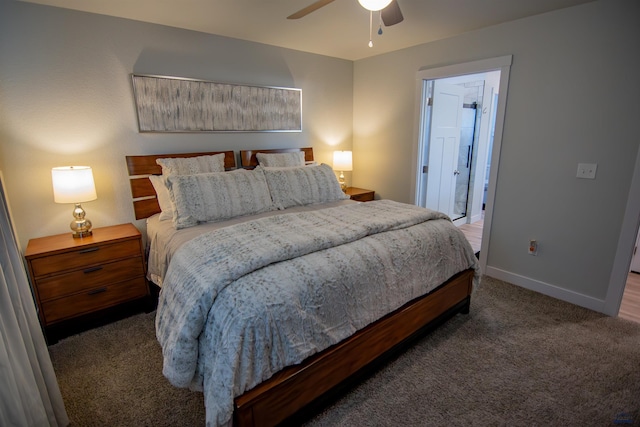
(163, 239)
(241, 302)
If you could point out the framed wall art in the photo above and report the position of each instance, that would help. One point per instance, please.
(174, 104)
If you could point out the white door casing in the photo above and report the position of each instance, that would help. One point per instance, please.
(635, 261)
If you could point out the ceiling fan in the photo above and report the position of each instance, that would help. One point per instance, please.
(390, 13)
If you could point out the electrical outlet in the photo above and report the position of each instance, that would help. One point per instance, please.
(533, 247)
(587, 170)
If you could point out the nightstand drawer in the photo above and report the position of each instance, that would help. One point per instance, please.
(75, 280)
(90, 277)
(84, 257)
(92, 300)
(360, 194)
(365, 197)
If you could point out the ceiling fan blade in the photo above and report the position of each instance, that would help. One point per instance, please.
(391, 14)
(311, 8)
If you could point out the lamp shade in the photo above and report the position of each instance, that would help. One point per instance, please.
(73, 184)
(374, 5)
(342, 161)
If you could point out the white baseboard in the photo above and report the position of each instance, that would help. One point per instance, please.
(475, 218)
(547, 289)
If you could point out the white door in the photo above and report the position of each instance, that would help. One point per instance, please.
(635, 261)
(444, 141)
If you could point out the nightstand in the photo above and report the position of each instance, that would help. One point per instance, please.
(75, 277)
(360, 194)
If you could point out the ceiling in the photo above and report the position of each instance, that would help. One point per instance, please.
(340, 29)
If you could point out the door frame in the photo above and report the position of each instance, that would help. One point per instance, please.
(626, 241)
(482, 140)
(502, 64)
(635, 255)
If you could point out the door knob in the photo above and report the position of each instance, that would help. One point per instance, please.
(456, 172)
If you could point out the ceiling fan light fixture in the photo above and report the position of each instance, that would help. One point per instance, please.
(374, 5)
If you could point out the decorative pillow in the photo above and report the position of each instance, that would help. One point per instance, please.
(192, 165)
(281, 160)
(304, 185)
(164, 199)
(217, 196)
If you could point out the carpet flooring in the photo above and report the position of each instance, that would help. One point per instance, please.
(518, 359)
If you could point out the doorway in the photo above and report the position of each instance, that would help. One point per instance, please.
(630, 304)
(489, 79)
(456, 138)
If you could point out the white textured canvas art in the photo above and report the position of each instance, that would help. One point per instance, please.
(171, 104)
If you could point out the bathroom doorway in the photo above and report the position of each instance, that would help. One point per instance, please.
(479, 189)
(458, 116)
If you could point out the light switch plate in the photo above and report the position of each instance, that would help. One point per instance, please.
(587, 170)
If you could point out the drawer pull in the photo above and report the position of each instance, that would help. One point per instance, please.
(92, 269)
(97, 291)
(84, 251)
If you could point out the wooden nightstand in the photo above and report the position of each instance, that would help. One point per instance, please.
(75, 277)
(360, 194)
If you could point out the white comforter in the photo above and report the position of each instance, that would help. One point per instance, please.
(240, 303)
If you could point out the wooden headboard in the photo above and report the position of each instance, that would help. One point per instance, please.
(145, 202)
(248, 157)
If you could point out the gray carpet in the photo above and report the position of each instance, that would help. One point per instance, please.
(518, 359)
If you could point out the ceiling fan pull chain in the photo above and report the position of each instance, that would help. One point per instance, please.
(370, 28)
(380, 23)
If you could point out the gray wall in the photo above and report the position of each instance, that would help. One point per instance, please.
(67, 99)
(572, 98)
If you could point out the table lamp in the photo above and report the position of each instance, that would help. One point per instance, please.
(74, 184)
(342, 161)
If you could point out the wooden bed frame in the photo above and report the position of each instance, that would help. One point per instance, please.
(320, 377)
(145, 202)
(288, 395)
(248, 158)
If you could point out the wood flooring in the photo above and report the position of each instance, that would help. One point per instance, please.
(630, 306)
(473, 233)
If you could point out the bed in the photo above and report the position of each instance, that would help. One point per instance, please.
(320, 296)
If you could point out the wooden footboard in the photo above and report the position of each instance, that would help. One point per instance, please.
(290, 390)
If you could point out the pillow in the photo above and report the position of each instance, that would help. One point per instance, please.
(304, 185)
(164, 199)
(192, 165)
(217, 196)
(281, 160)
